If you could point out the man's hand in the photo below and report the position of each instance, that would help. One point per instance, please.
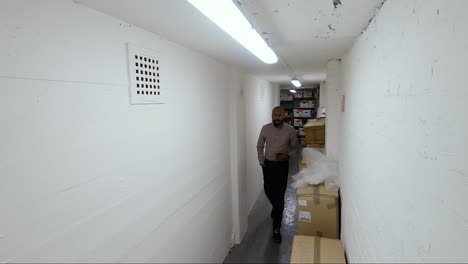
(282, 156)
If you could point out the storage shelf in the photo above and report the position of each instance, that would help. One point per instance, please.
(299, 107)
(297, 99)
(289, 105)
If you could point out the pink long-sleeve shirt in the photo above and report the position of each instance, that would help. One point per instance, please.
(278, 140)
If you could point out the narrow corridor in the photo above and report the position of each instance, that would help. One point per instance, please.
(257, 245)
(129, 130)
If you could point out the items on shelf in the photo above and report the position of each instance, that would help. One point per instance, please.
(304, 104)
(302, 113)
(300, 106)
(301, 132)
(286, 96)
(298, 122)
(298, 94)
(307, 94)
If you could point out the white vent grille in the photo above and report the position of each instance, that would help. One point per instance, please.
(145, 79)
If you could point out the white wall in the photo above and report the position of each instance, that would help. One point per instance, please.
(258, 104)
(404, 148)
(275, 89)
(250, 109)
(237, 148)
(87, 177)
(323, 101)
(334, 94)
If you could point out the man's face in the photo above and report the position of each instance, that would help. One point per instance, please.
(278, 117)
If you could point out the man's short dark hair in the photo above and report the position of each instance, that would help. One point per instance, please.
(277, 108)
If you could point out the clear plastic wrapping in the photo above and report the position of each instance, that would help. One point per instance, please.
(319, 169)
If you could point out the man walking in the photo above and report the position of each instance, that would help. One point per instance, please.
(281, 144)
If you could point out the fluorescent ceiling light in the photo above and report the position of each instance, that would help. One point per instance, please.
(229, 18)
(292, 91)
(296, 82)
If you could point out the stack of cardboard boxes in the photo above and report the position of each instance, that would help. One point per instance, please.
(318, 234)
(317, 211)
(309, 249)
(315, 133)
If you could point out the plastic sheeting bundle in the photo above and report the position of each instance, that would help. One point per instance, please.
(319, 169)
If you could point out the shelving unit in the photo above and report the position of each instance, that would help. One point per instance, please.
(300, 107)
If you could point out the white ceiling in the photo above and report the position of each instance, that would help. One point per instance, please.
(305, 34)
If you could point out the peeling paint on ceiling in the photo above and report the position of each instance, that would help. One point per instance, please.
(336, 3)
(305, 33)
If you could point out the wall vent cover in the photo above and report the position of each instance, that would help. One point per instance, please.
(144, 72)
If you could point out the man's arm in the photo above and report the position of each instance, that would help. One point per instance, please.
(293, 144)
(260, 147)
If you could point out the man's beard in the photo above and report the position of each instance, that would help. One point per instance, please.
(277, 123)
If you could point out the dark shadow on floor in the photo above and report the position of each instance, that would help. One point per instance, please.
(257, 245)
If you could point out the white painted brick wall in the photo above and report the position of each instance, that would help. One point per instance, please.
(404, 142)
(84, 176)
(323, 97)
(258, 113)
(333, 120)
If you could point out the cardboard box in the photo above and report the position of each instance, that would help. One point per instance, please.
(311, 104)
(307, 94)
(298, 122)
(304, 104)
(288, 97)
(317, 211)
(315, 132)
(309, 249)
(298, 94)
(298, 112)
(306, 113)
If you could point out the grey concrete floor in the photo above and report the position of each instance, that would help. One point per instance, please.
(257, 245)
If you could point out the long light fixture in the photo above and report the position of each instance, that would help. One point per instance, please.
(229, 18)
(293, 91)
(296, 82)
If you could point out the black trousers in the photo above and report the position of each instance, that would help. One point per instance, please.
(275, 181)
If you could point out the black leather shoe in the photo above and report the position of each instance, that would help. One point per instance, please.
(277, 235)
